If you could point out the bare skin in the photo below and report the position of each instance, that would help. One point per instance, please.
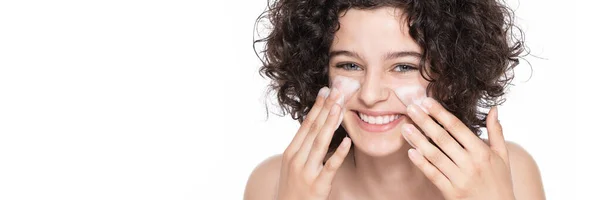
(386, 165)
(263, 182)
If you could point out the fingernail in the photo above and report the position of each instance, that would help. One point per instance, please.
(341, 117)
(345, 142)
(407, 131)
(333, 93)
(324, 92)
(334, 110)
(496, 113)
(411, 109)
(413, 153)
(341, 100)
(407, 140)
(425, 110)
(426, 105)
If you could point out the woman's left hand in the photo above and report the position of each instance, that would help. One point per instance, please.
(474, 170)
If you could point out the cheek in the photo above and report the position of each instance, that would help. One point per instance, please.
(411, 93)
(408, 91)
(348, 86)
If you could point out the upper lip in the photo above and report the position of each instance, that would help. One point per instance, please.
(378, 113)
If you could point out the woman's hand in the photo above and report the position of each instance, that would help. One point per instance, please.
(474, 171)
(303, 175)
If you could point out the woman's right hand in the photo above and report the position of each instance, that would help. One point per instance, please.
(303, 174)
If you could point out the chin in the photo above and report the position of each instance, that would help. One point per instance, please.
(377, 147)
(373, 141)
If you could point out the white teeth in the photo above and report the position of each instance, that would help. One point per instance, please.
(382, 119)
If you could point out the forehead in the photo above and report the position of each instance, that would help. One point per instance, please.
(374, 31)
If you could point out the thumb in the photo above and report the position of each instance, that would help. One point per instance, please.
(495, 134)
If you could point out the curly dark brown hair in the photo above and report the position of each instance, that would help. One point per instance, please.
(471, 47)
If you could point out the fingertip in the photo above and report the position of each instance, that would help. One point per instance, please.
(413, 153)
(495, 113)
(341, 100)
(324, 92)
(492, 116)
(411, 109)
(340, 118)
(495, 133)
(427, 102)
(415, 157)
(343, 148)
(335, 109)
(345, 142)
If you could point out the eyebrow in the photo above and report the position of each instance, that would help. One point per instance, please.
(344, 53)
(399, 54)
(388, 56)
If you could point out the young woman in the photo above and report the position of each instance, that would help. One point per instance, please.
(414, 81)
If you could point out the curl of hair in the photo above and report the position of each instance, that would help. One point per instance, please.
(471, 47)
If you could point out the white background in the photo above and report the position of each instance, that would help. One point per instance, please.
(162, 99)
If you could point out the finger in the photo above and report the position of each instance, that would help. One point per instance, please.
(431, 153)
(321, 143)
(430, 171)
(439, 136)
(307, 123)
(454, 126)
(330, 168)
(315, 128)
(495, 134)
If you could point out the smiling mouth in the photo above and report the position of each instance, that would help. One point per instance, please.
(378, 119)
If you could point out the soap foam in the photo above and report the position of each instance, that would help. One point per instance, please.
(346, 86)
(408, 94)
(411, 94)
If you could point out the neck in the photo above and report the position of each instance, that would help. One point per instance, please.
(390, 176)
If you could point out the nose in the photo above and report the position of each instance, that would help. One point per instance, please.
(373, 90)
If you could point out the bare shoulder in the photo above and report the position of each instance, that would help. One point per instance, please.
(262, 183)
(526, 177)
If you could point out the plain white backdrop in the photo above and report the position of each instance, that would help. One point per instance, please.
(162, 99)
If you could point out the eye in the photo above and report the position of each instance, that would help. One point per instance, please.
(349, 66)
(404, 68)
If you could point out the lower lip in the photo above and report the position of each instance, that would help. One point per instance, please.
(377, 128)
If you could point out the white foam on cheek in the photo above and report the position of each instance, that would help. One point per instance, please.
(411, 94)
(347, 86)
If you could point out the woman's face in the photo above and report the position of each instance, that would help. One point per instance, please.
(374, 49)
